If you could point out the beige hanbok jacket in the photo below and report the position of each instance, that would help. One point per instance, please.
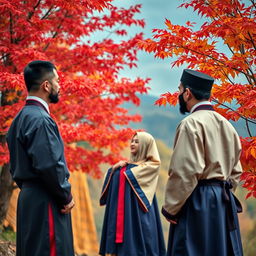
(206, 146)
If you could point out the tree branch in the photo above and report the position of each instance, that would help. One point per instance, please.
(253, 82)
(47, 14)
(13, 40)
(30, 14)
(54, 35)
(251, 39)
(241, 48)
(101, 95)
(4, 56)
(253, 3)
(226, 75)
(111, 32)
(11, 28)
(248, 128)
(57, 31)
(209, 56)
(230, 48)
(72, 65)
(245, 118)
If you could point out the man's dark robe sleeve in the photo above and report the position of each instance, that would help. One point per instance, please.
(45, 147)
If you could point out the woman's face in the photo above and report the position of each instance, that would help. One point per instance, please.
(134, 144)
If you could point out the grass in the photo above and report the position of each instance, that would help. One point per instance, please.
(7, 234)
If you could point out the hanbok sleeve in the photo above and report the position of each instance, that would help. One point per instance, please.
(105, 187)
(186, 165)
(45, 147)
(237, 169)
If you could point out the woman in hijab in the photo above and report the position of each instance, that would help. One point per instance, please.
(132, 224)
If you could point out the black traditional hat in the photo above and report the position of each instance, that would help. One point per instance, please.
(196, 80)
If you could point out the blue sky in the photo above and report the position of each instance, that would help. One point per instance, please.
(154, 13)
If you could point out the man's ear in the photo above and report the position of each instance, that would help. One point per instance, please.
(46, 86)
(187, 94)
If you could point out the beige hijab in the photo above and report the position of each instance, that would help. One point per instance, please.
(148, 161)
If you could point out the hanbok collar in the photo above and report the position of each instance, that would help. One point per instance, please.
(34, 100)
(203, 105)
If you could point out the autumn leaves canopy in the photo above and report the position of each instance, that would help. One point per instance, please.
(89, 43)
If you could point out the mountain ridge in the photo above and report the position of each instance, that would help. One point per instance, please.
(162, 121)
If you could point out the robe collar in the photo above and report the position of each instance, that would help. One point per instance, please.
(203, 105)
(33, 100)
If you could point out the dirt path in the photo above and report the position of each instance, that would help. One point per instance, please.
(7, 248)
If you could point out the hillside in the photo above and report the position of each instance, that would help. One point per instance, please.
(161, 122)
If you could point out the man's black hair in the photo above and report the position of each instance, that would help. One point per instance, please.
(199, 95)
(36, 72)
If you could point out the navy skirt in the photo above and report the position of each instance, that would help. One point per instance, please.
(203, 227)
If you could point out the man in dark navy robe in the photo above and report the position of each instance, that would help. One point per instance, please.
(204, 168)
(39, 168)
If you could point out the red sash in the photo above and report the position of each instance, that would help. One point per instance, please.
(120, 208)
(51, 232)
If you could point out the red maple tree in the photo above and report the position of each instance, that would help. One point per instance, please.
(77, 36)
(230, 23)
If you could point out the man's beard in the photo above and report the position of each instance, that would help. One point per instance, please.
(183, 105)
(54, 97)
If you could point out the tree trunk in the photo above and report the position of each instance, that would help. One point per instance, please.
(6, 188)
(6, 182)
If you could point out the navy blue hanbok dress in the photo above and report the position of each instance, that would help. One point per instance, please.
(143, 234)
(39, 168)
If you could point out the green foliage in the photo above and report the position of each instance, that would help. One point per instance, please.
(7, 234)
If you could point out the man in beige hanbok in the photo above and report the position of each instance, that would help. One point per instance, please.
(204, 168)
